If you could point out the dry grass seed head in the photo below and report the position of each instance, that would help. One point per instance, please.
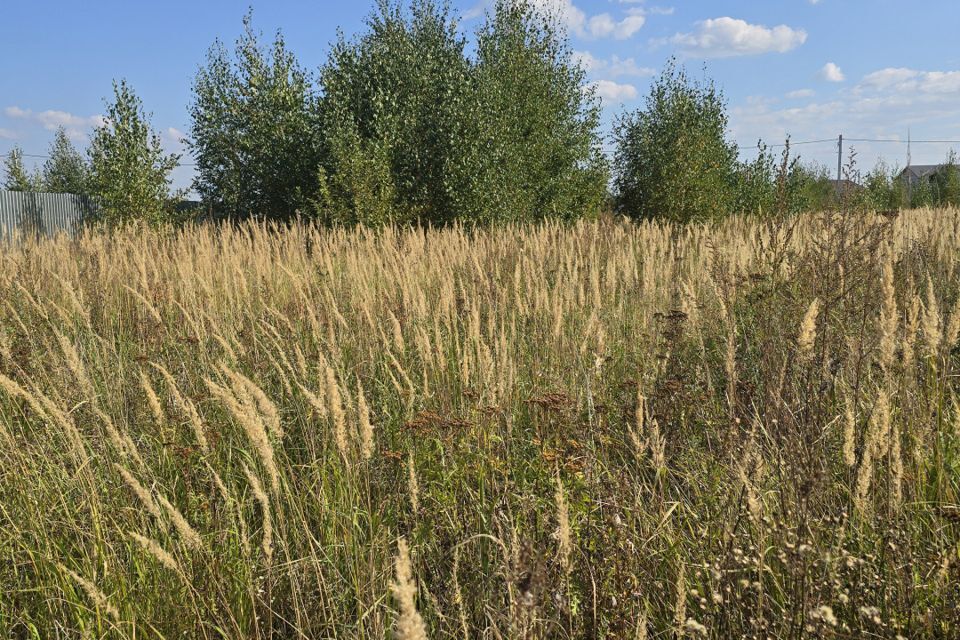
(141, 492)
(152, 399)
(808, 332)
(409, 624)
(187, 532)
(153, 548)
(261, 496)
(93, 592)
(366, 427)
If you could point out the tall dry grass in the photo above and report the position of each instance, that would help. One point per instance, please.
(749, 429)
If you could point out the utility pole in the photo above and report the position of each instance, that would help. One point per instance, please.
(839, 165)
(906, 175)
(909, 157)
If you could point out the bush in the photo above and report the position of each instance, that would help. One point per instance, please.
(414, 130)
(672, 158)
(254, 131)
(130, 174)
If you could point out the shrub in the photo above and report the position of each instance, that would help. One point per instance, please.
(672, 158)
(130, 174)
(254, 131)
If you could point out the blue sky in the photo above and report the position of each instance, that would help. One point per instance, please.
(811, 69)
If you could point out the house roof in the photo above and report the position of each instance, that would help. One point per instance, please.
(846, 185)
(921, 170)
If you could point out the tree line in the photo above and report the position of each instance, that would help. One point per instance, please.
(409, 122)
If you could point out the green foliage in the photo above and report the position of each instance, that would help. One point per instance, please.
(945, 183)
(883, 189)
(756, 182)
(818, 190)
(130, 174)
(17, 176)
(394, 107)
(672, 158)
(254, 131)
(537, 138)
(356, 183)
(768, 186)
(66, 170)
(406, 127)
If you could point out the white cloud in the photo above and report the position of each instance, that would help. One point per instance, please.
(901, 80)
(653, 11)
(883, 105)
(174, 135)
(7, 134)
(588, 61)
(628, 67)
(727, 37)
(615, 67)
(801, 93)
(579, 23)
(76, 126)
(616, 92)
(601, 25)
(832, 73)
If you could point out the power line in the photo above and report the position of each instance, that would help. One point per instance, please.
(42, 156)
(904, 141)
(792, 143)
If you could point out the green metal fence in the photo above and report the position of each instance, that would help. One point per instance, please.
(26, 214)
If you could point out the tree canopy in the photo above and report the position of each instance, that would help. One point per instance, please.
(403, 124)
(16, 177)
(130, 173)
(254, 129)
(66, 169)
(672, 156)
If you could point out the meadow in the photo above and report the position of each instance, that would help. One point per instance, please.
(604, 429)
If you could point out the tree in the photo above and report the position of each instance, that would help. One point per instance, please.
(254, 130)
(756, 182)
(883, 189)
(416, 131)
(946, 182)
(130, 174)
(672, 157)
(537, 137)
(17, 176)
(66, 170)
(818, 190)
(394, 110)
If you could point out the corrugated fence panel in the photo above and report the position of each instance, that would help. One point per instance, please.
(41, 214)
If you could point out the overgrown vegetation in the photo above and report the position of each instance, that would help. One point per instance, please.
(602, 429)
(412, 121)
(129, 171)
(402, 125)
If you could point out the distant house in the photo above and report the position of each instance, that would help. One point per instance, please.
(915, 173)
(846, 187)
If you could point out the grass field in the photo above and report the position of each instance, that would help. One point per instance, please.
(603, 430)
